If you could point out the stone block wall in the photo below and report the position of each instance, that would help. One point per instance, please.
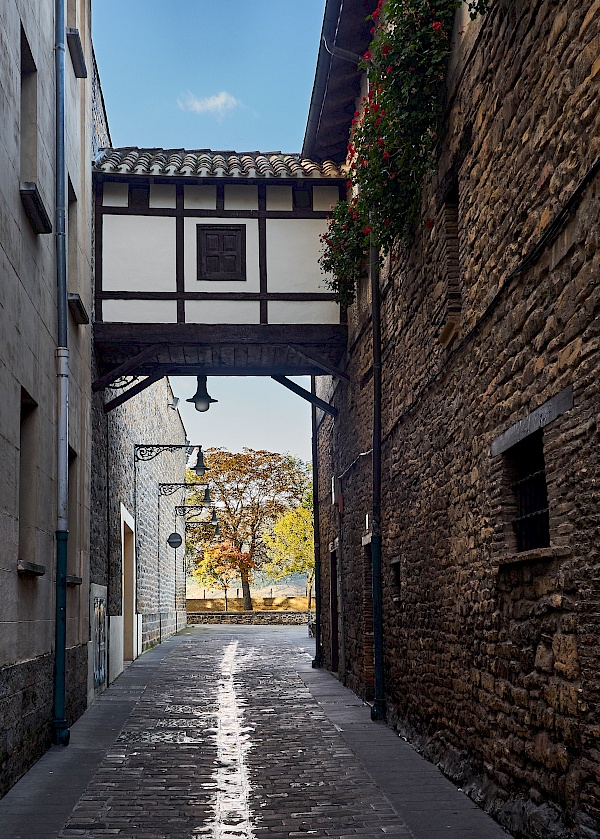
(28, 340)
(262, 618)
(491, 662)
(121, 481)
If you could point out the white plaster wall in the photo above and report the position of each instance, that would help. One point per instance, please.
(313, 311)
(241, 197)
(200, 198)
(162, 196)
(115, 195)
(252, 282)
(139, 311)
(293, 251)
(222, 311)
(279, 198)
(324, 197)
(138, 253)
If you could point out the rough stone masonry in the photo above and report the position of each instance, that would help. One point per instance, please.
(491, 652)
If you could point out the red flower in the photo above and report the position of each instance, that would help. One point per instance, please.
(367, 229)
(380, 141)
(386, 49)
(378, 121)
(348, 184)
(386, 155)
(387, 222)
(436, 25)
(354, 215)
(367, 55)
(388, 69)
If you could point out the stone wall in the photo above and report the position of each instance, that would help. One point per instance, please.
(124, 485)
(28, 409)
(491, 656)
(248, 618)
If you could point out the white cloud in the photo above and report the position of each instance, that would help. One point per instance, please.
(219, 105)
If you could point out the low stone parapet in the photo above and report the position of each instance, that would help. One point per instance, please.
(256, 618)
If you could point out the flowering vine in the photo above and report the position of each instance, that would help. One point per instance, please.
(393, 136)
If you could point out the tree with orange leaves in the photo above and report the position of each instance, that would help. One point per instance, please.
(220, 564)
(251, 490)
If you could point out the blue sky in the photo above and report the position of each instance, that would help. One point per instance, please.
(232, 74)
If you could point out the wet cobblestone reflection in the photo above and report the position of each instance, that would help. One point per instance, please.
(227, 742)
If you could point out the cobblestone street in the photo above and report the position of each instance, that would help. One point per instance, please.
(228, 732)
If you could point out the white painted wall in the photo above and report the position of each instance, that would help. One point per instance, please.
(162, 196)
(324, 197)
(200, 198)
(138, 253)
(293, 251)
(115, 195)
(313, 311)
(139, 311)
(279, 198)
(222, 311)
(252, 282)
(241, 197)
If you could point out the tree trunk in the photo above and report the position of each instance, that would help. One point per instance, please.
(309, 586)
(225, 590)
(246, 593)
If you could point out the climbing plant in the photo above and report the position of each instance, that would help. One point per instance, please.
(393, 135)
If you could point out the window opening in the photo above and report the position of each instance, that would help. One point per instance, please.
(221, 252)
(528, 475)
(28, 501)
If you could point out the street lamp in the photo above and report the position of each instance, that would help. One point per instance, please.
(201, 399)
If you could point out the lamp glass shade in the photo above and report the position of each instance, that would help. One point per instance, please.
(214, 519)
(200, 467)
(201, 399)
(207, 499)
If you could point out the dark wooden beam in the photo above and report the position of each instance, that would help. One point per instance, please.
(129, 367)
(132, 391)
(192, 334)
(323, 363)
(306, 394)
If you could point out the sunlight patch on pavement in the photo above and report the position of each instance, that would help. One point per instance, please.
(232, 814)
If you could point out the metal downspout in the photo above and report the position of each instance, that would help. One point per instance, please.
(378, 708)
(318, 659)
(60, 729)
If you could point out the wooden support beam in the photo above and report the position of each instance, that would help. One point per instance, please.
(129, 367)
(325, 365)
(132, 391)
(306, 394)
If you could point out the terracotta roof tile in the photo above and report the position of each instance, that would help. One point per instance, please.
(204, 163)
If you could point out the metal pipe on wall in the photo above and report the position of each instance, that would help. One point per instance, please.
(378, 710)
(318, 659)
(60, 729)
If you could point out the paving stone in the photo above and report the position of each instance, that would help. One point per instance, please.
(232, 735)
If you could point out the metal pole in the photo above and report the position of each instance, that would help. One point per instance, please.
(60, 729)
(378, 709)
(318, 659)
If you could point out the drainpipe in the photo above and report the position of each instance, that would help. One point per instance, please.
(318, 659)
(378, 709)
(60, 729)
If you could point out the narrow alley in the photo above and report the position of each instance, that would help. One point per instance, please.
(227, 732)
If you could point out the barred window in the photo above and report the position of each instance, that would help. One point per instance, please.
(528, 475)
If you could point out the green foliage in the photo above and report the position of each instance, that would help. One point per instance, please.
(290, 545)
(394, 134)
